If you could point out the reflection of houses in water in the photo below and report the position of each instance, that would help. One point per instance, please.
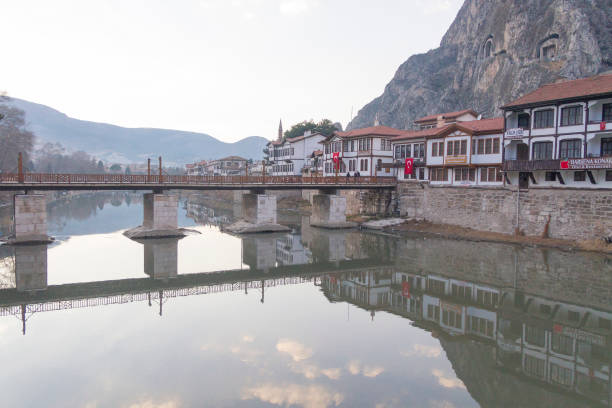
(563, 345)
(206, 215)
(290, 251)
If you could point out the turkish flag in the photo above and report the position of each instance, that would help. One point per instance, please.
(565, 164)
(406, 289)
(336, 159)
(408, 166)
(602, 125)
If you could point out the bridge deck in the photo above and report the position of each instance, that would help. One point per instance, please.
(43, 181)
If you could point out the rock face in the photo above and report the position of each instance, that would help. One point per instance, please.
(494, 52)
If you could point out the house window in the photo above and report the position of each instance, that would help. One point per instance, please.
(465, 174)
(352, 145)
(438, 174)
(449, 148)
(451, 318)
(572, 115)
(463, 147)
(570, 149)
(481, 146)
(607, 112)
(579, 175)
(408, 151)
(550, 176)
(606, 146)
(543, 119)
(535, 366)
(488, 146)
(491, 174)
(434, 149)
(562, 344)
(523, 121)
(542, 150)
(421, 173)
(535, 335)
(496, 145)
(608, 175)
(561, 375)
(441, 149)
(433, 312)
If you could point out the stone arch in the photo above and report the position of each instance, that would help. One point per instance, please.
(548, 48)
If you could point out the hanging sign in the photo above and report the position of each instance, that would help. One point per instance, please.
(408, 167)
(406, 289)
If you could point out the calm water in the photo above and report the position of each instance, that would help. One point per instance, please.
(308, 319)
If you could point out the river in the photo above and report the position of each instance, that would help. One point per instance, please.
(312, 318)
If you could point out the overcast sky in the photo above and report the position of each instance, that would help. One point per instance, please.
(229, 68)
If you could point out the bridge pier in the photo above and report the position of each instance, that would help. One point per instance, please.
(258, 214)
(30, 267)
(29, 219)
(161, 258)
(160, 218)
(329, 211)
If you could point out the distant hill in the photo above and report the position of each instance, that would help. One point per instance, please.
(124, 145)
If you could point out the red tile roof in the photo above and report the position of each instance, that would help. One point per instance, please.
(370, 131)
(415, 134)
(595, 85)
(483, 126)
(448, 115)
(473, 127)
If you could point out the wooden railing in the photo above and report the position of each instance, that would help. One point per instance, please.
(531, 165)
(44, 178)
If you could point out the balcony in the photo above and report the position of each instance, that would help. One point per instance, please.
(531, 165)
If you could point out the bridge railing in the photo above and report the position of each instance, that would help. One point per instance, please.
(49, 178)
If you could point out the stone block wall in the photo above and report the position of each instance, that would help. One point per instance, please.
(564, 214)
(328, 209)
(160, 211)
(30, 221)
(368, 201)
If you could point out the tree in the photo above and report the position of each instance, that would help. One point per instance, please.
(100, 166)
(127, 170)
(115, 167)
(14, 138)
(325, 127)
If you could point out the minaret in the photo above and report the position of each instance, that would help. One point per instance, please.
(280, 130)
(377, 119)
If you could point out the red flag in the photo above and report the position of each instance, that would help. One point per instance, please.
(406, 289)
(336, 159)
(602, 125)
(408, 166)
(565, 164)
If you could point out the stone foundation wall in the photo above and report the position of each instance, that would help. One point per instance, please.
(368, 201)
(568, 214)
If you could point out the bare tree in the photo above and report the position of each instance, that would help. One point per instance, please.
(14, 137)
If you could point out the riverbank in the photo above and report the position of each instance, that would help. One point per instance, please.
(455, 232)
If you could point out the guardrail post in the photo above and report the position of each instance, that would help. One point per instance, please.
(149, 170)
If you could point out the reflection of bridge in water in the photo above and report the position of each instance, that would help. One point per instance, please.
(266, 256)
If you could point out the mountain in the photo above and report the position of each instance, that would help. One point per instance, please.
(124, 145)
(494, 52)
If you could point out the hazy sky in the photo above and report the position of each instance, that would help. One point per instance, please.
(229, 68)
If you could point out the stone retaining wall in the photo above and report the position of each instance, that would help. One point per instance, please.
(564, 214)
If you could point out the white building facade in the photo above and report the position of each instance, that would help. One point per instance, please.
(289, 157)
(560, 135)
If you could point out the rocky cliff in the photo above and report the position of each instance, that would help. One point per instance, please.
(495, 51)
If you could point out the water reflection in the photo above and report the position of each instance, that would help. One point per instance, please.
(313, 318)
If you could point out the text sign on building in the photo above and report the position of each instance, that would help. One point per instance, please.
(580, 335)
(456, 159)
(516, 133)
(593, 163)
